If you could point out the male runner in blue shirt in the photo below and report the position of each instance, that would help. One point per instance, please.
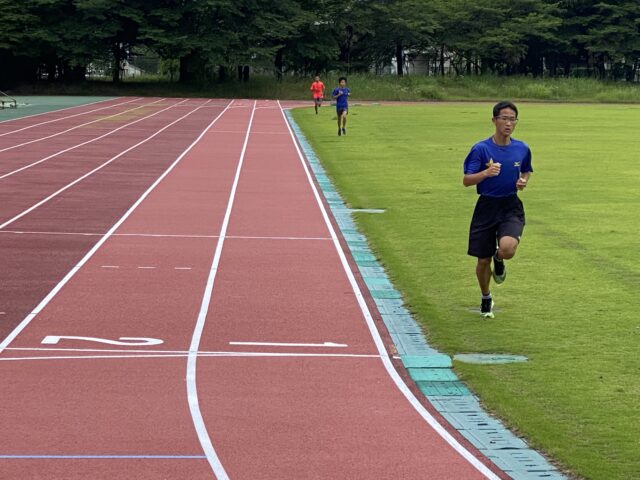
(340, 95)
(499, 166)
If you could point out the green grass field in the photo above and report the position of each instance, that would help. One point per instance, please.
(570, 302)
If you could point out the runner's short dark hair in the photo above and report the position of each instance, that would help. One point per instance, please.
(342, 78)
(502, 105)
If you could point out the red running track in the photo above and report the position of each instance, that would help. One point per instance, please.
(80, 120)
(229, 245)
(31, 263)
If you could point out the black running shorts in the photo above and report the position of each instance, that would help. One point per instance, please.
(494, 218)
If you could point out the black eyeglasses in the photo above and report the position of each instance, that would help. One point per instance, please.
(507, 119)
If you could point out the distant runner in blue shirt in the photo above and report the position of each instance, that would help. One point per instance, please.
(499, 167)
(341, 95)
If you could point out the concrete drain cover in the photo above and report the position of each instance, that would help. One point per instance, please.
(367, 210)
(488, 358)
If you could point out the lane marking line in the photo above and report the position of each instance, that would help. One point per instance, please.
(255, 132)
(213, 104)
(187, 354)
(77, 126)
(59, 110)
(192, 390)
(45, 301)
(101, 457)
(163, 235)
(88, 174)
(424, 413)
(95, 139)
(146, 268)
(272, 344)
(18, 232)
(241, 237)
(66, 118)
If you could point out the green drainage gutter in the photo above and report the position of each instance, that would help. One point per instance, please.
(430, 369)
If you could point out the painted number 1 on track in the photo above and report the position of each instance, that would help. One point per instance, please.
(122, 341)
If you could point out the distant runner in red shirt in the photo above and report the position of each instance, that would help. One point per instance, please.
(317, 88)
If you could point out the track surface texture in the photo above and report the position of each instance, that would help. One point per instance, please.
(175, 304)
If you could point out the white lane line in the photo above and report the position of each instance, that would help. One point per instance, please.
(192, 389)
(77, 126)
(273, 344)
(100, 167)
(186, 354)
(66, 118)
(211, 105)
(255, 132)
(161, 235)
(424, 413)
(95, 139)
(20, 327)
(146, 268)
(18, 232)
(241, 237)
(59, 110)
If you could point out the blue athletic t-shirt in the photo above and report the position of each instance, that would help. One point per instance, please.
(514, 159)
(341, 101)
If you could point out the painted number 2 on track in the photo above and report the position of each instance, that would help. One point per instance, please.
(122, 341)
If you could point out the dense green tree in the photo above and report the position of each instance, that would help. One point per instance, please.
(58, 39)
(17, 61)
(110, 27)
(503, 36)
(613, 38)
(314, 47)
(262, 30)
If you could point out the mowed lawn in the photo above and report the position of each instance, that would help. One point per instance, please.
(571, 301)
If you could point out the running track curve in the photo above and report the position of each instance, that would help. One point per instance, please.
(180, 329)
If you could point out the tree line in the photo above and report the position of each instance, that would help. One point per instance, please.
(209, 40)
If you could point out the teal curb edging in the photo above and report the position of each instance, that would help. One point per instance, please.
(431, 370)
